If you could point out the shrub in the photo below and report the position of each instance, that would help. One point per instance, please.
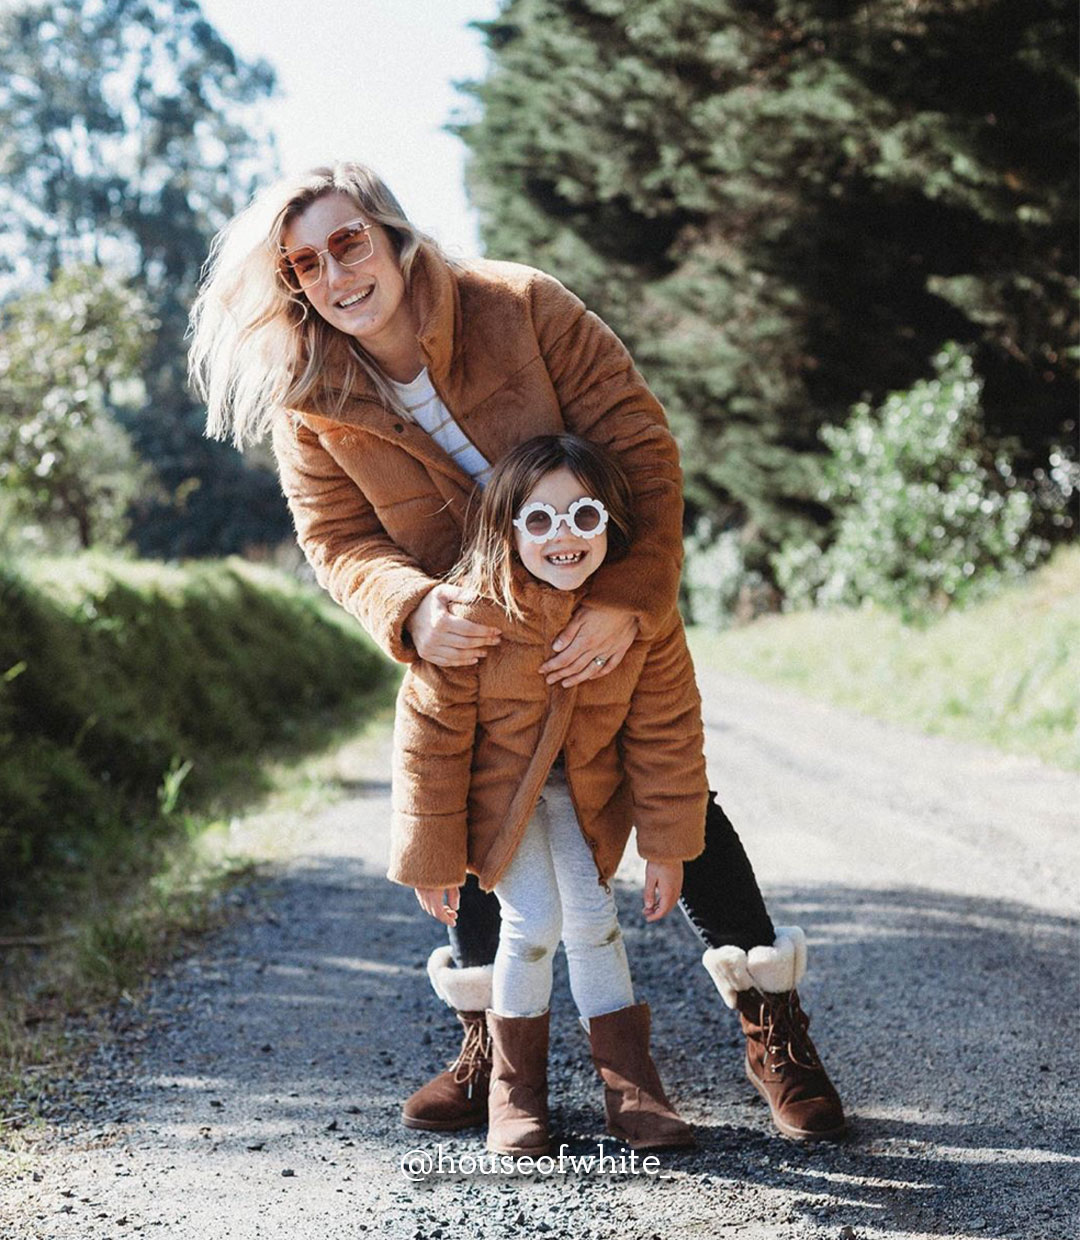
(719, 588)
(925, 519)
(70, 355)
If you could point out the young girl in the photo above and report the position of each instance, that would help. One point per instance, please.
(533, 787)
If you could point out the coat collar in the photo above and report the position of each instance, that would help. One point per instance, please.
(436, 303)
(539, 601)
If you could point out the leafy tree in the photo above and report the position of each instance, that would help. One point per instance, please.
(129, 137)
(925, 519)
(70, 356)
(785, 206)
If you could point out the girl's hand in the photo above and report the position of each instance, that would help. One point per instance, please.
(441, 903)
(593, 633)
(663, 883)
(444, 639)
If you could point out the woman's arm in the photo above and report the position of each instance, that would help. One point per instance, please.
(434, 737)
(594, 633)
(603, 398)
(445, 638)
(662, 743)
(357, 562)
(353, 557)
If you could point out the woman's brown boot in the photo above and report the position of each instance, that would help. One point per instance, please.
(638, 1110)
(783, 1066)
(517, 1099)
(782, 1063)
(457, 1097)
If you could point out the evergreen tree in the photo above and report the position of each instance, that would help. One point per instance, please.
(786, 206)
(128, 140)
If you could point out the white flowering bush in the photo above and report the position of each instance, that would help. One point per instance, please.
(713, 574)
(924, 519)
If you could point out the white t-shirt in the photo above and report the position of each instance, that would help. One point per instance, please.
(427, 410)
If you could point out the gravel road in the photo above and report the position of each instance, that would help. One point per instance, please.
(253, 1092)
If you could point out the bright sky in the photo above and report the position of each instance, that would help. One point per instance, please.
(371, 80)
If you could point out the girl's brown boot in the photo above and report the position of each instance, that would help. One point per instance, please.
(638, 1111)
(517, 1098)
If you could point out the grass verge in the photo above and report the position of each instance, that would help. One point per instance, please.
(142, 706)
(1005, 672)
(131, 692)
(85, 964)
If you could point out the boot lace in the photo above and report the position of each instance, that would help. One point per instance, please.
(784, 1030)
(474, 1056)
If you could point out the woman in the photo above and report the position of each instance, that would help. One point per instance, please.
(391, 380)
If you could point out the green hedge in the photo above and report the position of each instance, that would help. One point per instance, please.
(114, 676)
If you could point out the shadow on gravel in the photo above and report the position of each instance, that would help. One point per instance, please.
(947, 1024)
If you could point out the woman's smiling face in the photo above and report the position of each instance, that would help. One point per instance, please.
(366, 301)
(567, 560)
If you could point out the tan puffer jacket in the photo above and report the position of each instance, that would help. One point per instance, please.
(379, 507)
(474, 745)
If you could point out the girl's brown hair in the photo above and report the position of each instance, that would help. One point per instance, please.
(487, 561)
(257, 347)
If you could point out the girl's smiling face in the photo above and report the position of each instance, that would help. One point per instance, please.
(567, 560)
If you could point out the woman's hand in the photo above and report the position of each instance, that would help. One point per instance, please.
(444, 639)
(663, 883)
(593, 633)
(441, 903)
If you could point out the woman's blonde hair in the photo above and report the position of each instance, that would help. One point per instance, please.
(486, 565)
(256, 346)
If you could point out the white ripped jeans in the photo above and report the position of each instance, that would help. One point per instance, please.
(551, 891)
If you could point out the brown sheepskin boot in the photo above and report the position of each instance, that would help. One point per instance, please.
(781, 1061)
(457, 1097)
(637, 1109)
(517, 1100)
(783, 1066)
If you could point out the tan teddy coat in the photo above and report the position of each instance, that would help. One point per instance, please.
(474, 745)
(379, 507)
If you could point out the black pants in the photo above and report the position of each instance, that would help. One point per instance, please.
(720, 897)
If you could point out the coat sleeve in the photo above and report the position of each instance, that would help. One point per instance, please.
(662, 744)
(604, 399)
(434, 736)
(353, 557)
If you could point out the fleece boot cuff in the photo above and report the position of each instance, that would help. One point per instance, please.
(772, 970)
(465, 990)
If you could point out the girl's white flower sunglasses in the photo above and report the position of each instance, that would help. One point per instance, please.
(540, 522)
